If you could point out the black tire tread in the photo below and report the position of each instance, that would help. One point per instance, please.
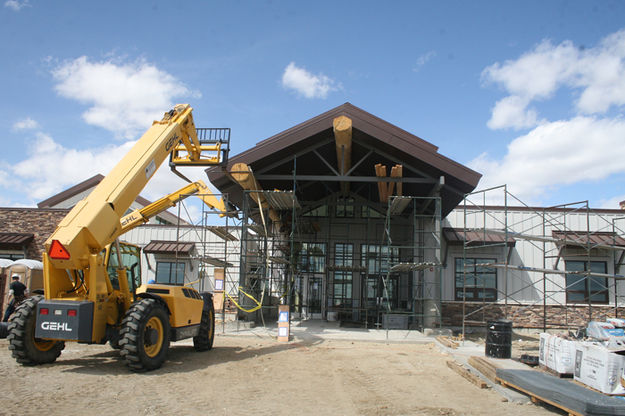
(130, 337)
(204, 340)
(22, 348)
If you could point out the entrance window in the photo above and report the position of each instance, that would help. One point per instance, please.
(170, 273)
(345, 208)
(343, 280)
(479, 282)
(376, 257)
(313, 257)
(581, 288)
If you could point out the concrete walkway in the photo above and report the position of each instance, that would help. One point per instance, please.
(308, 330)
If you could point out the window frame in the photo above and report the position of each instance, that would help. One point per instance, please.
(344, 208)
(587, 294)
(309, 252)
(169, 281)
(343, 281)
(377, 258)
(475, 291)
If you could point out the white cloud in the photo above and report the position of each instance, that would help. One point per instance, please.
(25, 124)
(612, 203)
(583, 149)
(512, 111)
(423, 59)
(597, 74)
(16, 5)
(123, 98)
(306, 84)
(50, 168)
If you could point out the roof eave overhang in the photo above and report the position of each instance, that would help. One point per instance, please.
(459, 179)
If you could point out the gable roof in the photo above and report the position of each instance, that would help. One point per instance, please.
(373, 138)
(70, 192)
(88, 185)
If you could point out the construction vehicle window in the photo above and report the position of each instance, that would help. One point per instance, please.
(130, 256)
(170, 273)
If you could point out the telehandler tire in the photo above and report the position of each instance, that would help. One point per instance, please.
(204, 340)
(144, 337)
(25, 348)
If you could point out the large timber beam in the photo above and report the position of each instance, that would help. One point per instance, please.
(380, 172)
(343, 137)
(244, 176)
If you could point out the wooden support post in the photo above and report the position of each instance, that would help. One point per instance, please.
(391, 185)
(343, 137)
(378, 167)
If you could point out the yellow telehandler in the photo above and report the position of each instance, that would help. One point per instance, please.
(92, 285)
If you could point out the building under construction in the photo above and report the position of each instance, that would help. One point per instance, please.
(346, 217)
(341, 219)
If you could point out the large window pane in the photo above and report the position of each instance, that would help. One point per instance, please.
(343, 280)
(479, 282)
(313, 257)
(170, 273)
(377, 257)
(581, 288)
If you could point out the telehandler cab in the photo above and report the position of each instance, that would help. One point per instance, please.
(92, 283)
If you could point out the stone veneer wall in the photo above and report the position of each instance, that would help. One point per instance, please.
(526, 316)
(40, 222)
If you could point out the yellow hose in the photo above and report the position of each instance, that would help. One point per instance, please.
(254, 309)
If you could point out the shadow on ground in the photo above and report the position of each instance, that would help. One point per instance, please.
(181, 358)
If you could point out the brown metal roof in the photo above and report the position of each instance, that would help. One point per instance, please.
(456, 236)
(169, 247)
(592, 238)
(374, 140)
(92, 183)
(70, 192)
(15, 240)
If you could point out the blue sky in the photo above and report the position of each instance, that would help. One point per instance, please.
(531, 93)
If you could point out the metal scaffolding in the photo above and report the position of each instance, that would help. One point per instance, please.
(419, 263)
(549, 292)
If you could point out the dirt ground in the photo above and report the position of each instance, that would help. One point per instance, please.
(253, 376)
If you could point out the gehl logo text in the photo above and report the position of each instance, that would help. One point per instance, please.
(55, 326)
(174, 140)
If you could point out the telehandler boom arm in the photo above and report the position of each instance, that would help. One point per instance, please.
(143, 215)
(88, 299)
(95, 221)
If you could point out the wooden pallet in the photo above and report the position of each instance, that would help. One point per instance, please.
(537, 399)
(554, 372)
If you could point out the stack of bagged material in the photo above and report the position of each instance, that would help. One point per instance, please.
(600, 361)
(599, 368)
(557, 353)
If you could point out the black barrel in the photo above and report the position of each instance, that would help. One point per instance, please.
(499, 339)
